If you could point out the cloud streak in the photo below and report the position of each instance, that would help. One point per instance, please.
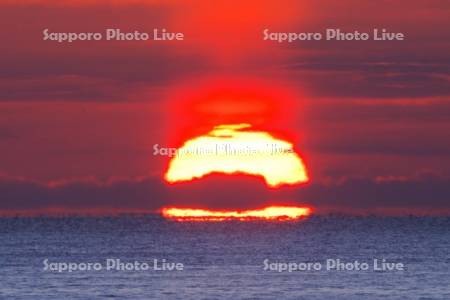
(424, 194)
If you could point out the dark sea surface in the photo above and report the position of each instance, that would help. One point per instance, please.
(224, 260)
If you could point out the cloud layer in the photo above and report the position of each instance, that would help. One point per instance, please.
(423, 194)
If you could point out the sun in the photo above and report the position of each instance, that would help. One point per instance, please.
(271, 213)
(237, 149)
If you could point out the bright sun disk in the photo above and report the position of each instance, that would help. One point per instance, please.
(274, 213)
(234, 148)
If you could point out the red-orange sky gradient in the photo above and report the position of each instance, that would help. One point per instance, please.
(78, 121)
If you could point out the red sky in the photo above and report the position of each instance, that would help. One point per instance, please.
(78, 121)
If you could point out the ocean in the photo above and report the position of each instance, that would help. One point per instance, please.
(148, 257)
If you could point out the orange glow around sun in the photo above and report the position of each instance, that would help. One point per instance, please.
(271, 213)
(236, 149)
